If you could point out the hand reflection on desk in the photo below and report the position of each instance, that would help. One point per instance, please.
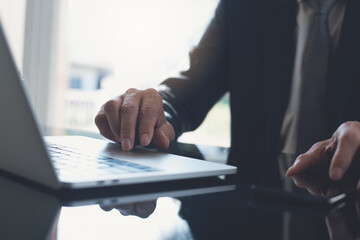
(344, 222)
(139, 209)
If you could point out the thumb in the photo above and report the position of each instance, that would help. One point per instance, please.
(163, 135)
(309, 159)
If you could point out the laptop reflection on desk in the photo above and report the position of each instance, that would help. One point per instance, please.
(28, 212)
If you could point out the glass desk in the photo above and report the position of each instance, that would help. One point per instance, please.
(208, 208)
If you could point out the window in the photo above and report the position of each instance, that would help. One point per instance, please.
(12, 16)
(94, 50)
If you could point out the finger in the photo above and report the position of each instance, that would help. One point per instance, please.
(300, 181)
(145, 209)
(344, 154)
(309, 159)
(102, 124)
(149, 115)
(303, 181)
(126, 209)
(163, 135)
(129, 113)
(112, 108)
(310, 183)
(106, 208)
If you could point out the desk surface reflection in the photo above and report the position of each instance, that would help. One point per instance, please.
(200, 209)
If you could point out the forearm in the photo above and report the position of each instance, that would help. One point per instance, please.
(189, 97)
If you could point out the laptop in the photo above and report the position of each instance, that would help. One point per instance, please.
(73, 161)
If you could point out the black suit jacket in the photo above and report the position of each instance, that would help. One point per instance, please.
(248, 50)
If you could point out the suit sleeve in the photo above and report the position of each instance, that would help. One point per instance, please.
(188, 98)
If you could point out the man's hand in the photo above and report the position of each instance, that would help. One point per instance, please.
(319, 184)
(139, 209)
(134, 114)
(339, 152)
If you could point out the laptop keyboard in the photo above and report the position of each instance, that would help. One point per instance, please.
(70, 162)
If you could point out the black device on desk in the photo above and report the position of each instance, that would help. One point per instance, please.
(312, 190)
(290, 200)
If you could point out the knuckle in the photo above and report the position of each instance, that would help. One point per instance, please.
(153, 93)
(301, 157)
(343, 127)
(100, 120)
(351, 136)
(356, 125)
(318, 145)
(128, 108)
(347, 124)
(132, 91)
(110, 105)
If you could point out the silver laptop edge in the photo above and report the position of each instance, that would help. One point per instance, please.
(23, 151)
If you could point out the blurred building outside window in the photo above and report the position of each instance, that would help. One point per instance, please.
(104, 47)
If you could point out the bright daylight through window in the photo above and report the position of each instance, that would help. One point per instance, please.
(109, 46)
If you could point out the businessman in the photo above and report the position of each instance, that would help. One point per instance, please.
(292, 69)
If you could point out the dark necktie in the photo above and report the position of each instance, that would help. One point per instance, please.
(313, 93)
